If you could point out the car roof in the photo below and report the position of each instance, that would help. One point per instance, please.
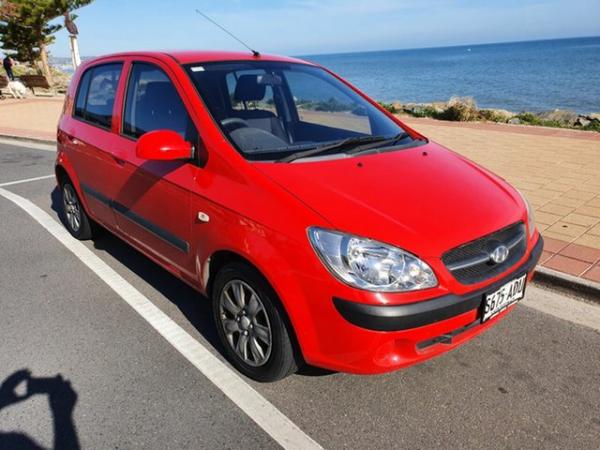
(201, 56)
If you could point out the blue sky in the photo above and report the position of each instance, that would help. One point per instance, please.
(297, 27)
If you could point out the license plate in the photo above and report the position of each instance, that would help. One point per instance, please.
(498, 301)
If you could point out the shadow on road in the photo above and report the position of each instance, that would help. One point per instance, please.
(19, 387)
(55, 204)
(195, 307)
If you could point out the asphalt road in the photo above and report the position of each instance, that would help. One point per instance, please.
(101, 377)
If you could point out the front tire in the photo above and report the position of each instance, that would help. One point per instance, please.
(251, 324)
(74, 216)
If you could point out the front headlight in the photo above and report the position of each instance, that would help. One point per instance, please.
(370, 265)
(530, 216)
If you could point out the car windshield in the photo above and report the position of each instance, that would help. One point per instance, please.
(286, 111)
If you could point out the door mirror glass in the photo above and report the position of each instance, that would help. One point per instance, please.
(163, 145)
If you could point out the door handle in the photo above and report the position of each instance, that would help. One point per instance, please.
(119, 161)
(72, 139)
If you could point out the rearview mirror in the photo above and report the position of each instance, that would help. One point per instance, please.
(269, 80)
(163, 145)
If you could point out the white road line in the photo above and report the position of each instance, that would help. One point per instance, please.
(259, 409)
(29, 144)
(557, 305)
(26, 180)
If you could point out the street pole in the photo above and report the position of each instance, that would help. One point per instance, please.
(75, 58)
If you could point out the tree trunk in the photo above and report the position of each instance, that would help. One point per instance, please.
(45, 64)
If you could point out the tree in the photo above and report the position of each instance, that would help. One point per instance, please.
(7, 9)
(27, 32)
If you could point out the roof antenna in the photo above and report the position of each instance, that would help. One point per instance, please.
(254, 52)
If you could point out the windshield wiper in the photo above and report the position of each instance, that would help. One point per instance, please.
(326, 148)
(381, 143)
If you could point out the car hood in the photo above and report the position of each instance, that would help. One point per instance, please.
(425, 199)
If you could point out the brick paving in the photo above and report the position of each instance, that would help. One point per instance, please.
(558, 170)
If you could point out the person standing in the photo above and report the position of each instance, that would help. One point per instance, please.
(8, 64)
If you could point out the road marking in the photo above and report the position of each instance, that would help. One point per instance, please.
(26, 180)
(259, 409)
(29, 144)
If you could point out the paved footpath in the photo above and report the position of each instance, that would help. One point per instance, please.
(33, 117)
(558, 170)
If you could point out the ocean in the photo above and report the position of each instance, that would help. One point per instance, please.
(521, 76)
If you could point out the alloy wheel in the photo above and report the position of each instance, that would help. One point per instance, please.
(245, 323)
(72, 207)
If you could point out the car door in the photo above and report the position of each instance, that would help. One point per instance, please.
(153, 203)
(90, 139)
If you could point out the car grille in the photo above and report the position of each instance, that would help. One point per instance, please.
(472, 263)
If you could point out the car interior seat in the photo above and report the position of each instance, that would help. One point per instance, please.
(248, 89)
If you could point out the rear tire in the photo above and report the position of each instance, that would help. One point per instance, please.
(74, 216)
(252, 325)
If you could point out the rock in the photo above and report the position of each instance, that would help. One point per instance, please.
(515, 121)
(504, 113)
(496, 115)
(438, 107)
(582, 122)
(500, 113)
(418, 109)
(561, 116)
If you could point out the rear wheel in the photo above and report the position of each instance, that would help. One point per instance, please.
(74, 216)
(251, 324)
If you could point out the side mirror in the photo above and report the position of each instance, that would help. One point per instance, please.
(163, 145)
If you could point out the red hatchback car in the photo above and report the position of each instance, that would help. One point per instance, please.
(323, 229)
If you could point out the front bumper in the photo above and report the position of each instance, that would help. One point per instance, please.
(365, 338)
(413, 315)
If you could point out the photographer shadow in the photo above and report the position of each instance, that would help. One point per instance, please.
(19, 387)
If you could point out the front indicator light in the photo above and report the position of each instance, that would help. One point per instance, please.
(530, 215)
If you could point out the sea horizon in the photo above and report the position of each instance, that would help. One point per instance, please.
(532, 75)
(440, 47)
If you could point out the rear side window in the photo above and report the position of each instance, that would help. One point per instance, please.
(84, 85)
(152, 103)
(96, 94)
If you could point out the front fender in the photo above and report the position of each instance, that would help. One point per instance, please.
(288, 266)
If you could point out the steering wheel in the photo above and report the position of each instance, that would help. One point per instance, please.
(233, 123)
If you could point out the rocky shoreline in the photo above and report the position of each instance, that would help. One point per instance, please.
(464, 109)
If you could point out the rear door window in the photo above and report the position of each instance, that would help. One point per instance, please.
(96, 94)
(152, 103)
(82, 92)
